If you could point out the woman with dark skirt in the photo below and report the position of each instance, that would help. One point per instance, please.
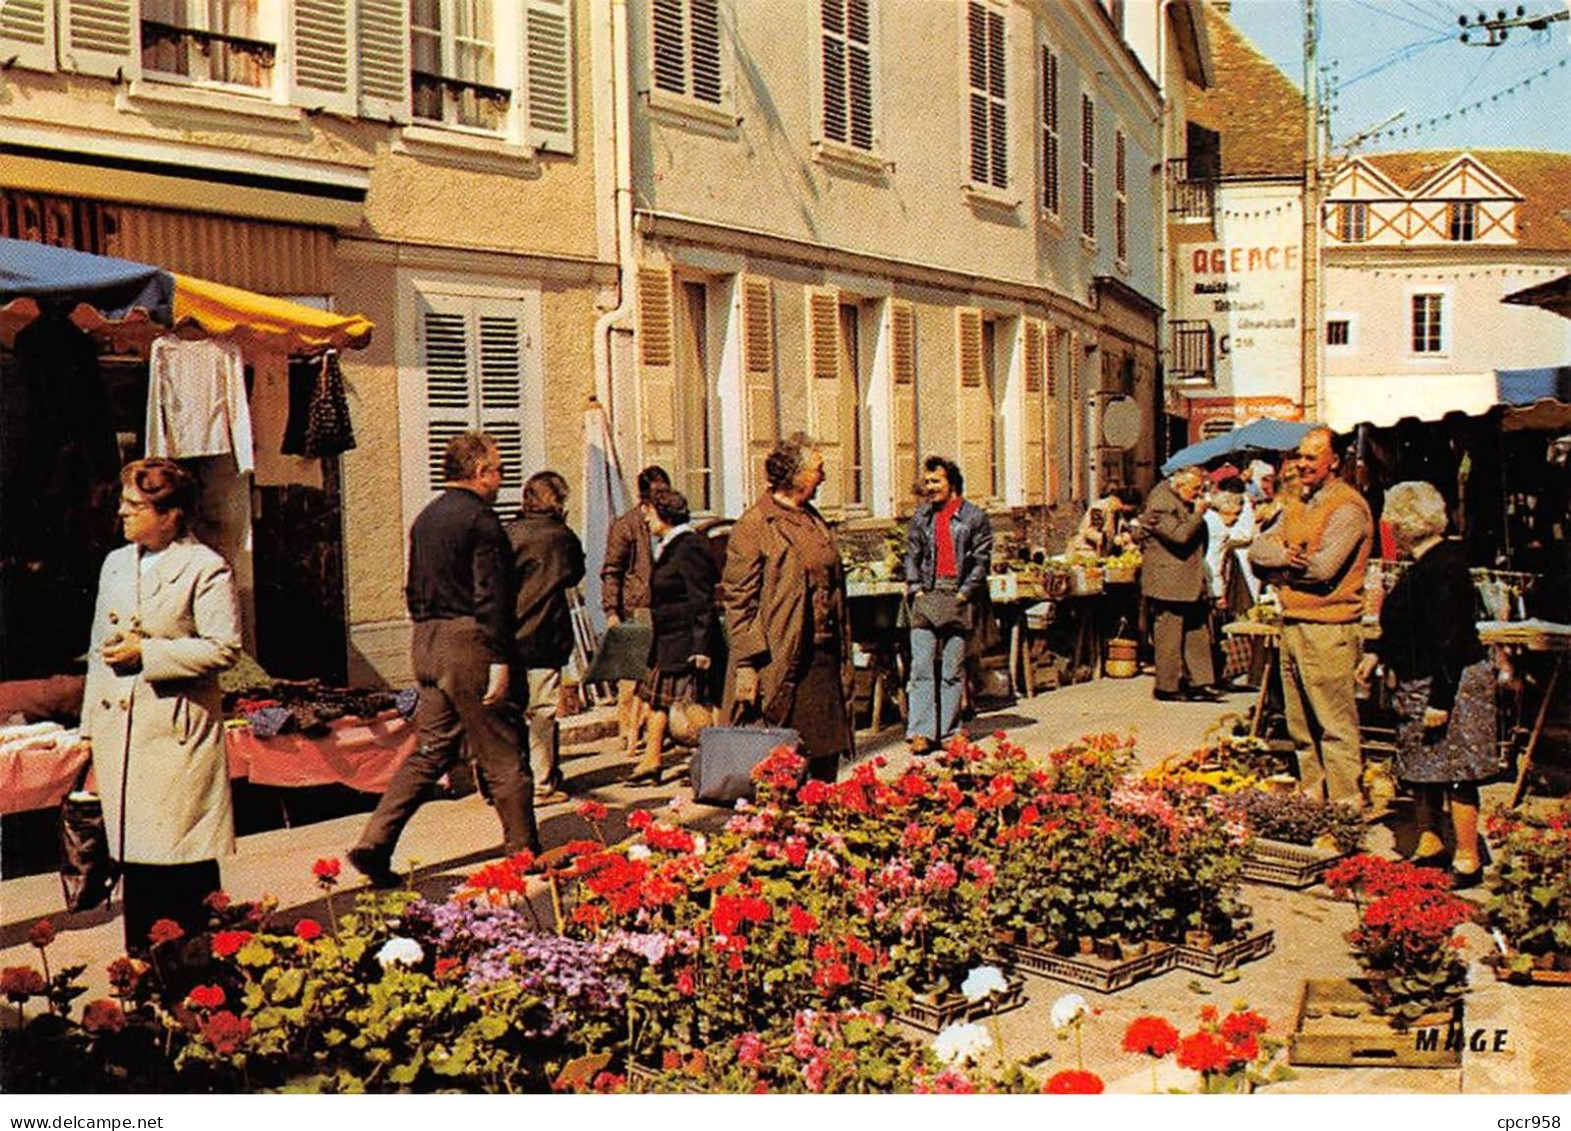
(1445, 682)
(682, 610)
(785, 604)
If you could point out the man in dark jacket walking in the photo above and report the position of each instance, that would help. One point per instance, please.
(1173, 579)
(548, 560)
(949, 548)
(624, 581)
(458, 594)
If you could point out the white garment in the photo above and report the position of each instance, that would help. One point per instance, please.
(670, 536)
(196, 402)
(1242, 530)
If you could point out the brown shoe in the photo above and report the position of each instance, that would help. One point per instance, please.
(920, 744)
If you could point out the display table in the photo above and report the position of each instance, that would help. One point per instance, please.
(358, 753)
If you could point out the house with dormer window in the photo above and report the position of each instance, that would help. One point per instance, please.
(1420, 248)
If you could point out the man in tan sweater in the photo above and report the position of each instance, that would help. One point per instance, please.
(1316, 553)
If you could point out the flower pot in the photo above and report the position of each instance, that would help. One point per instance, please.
(1087, 945)
(1106, 949)
(1200, 940)
(1131, 948)
(1544, 961)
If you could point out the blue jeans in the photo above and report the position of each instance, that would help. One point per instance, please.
(933, 705)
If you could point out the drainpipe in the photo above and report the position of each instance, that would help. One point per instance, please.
(622, 160)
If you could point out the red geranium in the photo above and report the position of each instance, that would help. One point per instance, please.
(103, 1016)
(801, 922)
(639, 820)
(216, 900)
(593, 811)
(1242, 1025)
(1072, 1082)
(206, 997)
(1205, 1052)
(42, 934)
(225, 1032)
(18, 983)
(125, 974)
(326, 870)
(308, 930)
(165, 931)
(226, 943)
(1153, 1036)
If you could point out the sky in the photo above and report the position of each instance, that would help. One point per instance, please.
(1404, 55)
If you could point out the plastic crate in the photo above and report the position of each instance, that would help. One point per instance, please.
(1100, 974)
(1287, 865)
(1217, 960)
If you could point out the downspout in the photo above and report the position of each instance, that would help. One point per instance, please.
(622, 160)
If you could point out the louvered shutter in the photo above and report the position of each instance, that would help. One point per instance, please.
(499, 332)
(758, 369)
(27, 32)
(1051, 432)
(975, 410)
(657, 368)
(99, 37)
(704, 48)
(846, 35)
(988, 108)
(548, 56)
(902, 401)
(668, 39)
(447, 355)
(384, 59)
(322, 59)
(825, 394)
(1034, 431)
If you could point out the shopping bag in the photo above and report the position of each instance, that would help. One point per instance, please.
(722, 768)
(623, 654)
(87, 871)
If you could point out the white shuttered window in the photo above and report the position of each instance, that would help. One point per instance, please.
(847, 37)
(27, 33)
(989, 130)
(685, 49)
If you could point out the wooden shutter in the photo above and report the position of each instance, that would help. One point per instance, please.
(499, 331)
(657, 368)
(668, 40)
(825, 392)
(988, 107)
(902, 401)
(447, 356)
(1050, 154)
(384, 59)
(1053, 356)
(1033, 433)
(704, 47)
(846, 36)
(975, 408)
(99, 37)
(321, 36)
(758, 372)
(27, 33)
(548, 55)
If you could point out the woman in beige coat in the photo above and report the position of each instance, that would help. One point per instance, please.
(784, 596)
(165, 625)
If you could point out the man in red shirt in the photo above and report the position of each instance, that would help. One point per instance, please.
(949, 548)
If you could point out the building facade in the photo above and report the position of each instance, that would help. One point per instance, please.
(1420, 250)
(901, 228)
(432, 167)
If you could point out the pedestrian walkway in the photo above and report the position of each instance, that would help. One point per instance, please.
(448, 839)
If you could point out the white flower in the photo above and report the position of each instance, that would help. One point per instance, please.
(983, 981)
(1067, 1010)
(962, 1042)
(405, 952)
(700, 844)
(638, 852)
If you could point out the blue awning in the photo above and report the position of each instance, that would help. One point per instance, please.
(1525, 386)
(59, 275)
(1264, 435)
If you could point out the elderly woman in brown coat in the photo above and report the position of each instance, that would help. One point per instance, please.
(166, 624)
(785, 604)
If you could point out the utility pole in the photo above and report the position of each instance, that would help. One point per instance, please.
(1496, 31)
(1309, 314)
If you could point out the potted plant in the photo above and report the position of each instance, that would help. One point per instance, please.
(1530, 892)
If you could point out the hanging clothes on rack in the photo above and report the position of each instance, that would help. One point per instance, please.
(319, 422)
(196, 403)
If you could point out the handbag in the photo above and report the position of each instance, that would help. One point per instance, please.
(722, 767)
(88, 873)
(623, 654)
(940, 611)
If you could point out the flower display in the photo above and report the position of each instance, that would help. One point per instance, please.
(983, 982)
(1530, 886)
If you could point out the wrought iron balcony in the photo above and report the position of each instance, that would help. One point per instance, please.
(1189, 197)
(1193, 358)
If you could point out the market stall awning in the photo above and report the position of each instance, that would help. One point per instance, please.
(1383, 399)
(1263, 435)
(1554, 295)
(37, 273)
(264, 322)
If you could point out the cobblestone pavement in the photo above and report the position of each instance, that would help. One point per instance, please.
(447, 839)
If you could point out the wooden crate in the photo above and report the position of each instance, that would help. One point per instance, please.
(1534, 977)
(931, 1015)
(1100, 974)
(1217, 960)
(1338, 1028)
(1287, 865)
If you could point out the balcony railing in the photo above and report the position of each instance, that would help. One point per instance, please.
(1189, 197)
(1194, 353)
(211, 56)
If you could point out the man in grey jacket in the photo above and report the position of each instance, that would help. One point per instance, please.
(949, 548)
(1173, 580)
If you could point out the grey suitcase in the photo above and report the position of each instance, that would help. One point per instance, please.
(723, 764)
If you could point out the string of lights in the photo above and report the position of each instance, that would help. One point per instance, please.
(1395, 132)
(1423, 275)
